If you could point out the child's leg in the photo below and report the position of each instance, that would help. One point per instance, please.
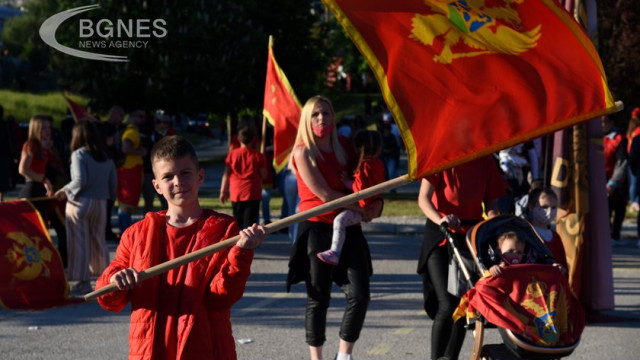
(344, 219)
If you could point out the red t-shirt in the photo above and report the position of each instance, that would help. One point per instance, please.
(331, 170)
(245, 182)
(38, 164)
(462, 190)
(610, 145)
(175, 243)
(370, 172)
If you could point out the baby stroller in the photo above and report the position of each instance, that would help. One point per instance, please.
(531, 303)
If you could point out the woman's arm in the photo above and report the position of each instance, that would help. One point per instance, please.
(24, 168)
(314, 179)
(78, 176)
(429, 210)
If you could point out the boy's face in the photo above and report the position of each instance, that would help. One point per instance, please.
(178, 180)
(512, 251)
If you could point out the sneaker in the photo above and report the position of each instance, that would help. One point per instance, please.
(330, 257)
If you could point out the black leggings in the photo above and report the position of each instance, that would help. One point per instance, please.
(246, 213)
(319, 286)
(446, 337)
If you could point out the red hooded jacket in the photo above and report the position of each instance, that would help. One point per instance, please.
(210, 286)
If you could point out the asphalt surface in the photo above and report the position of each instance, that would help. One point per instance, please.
(269, 323)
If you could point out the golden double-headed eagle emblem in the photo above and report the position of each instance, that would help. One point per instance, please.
(482, 26)
(28, 256)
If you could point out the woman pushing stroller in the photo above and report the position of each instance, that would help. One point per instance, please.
(454, 194)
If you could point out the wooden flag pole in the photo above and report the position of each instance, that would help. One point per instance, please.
(263, 142)
(270, 228)
(40, 198)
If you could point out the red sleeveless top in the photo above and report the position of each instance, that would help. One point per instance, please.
(331, 169)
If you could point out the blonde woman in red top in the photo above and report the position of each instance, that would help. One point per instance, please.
(319, 160)
(34, 158)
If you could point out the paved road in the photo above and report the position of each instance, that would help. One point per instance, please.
(273, 320)
(396, 327)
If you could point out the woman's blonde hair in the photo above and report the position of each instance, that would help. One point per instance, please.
(34, 136)
(305, 133)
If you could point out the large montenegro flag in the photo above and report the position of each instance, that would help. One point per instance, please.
(465, 78)
(31, 272)
(282, 110)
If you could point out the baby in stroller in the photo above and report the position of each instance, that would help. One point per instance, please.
(532, 306)
(511, 252)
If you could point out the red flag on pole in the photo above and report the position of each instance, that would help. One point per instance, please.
(32, 275)
(282, 110)
(77, 111)
(466, 78)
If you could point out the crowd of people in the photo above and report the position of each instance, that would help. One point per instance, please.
(107, 160)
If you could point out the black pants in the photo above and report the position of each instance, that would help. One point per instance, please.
(246, 213)
(356, 289)
(617, 208)
(48, 212)
(446, 337)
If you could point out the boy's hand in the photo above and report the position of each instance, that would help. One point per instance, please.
(251, 237)
(126, 279)
(495, 270)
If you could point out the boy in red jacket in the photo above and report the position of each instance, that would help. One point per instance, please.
(184, 313)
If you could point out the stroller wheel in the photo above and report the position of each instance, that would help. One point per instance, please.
(497, 352)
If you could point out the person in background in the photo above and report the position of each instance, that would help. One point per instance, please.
(242, 179)
(35, 157)
(319, 158)
(634, 163)
(112, 130)
(93, 182)
(541, 212)
(130, 173)
(451, 196)
(149, 136)
(614, 144)
(633, 130)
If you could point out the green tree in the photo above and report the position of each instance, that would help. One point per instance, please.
(618, 44)
(213, 58)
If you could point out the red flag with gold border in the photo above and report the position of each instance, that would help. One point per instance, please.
(465, 78)
(78, 112)
(32, 275)
(282, 110)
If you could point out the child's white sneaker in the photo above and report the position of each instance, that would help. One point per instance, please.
(330, 257)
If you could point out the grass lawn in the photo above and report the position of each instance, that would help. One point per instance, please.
(394, 204)
(24, 105)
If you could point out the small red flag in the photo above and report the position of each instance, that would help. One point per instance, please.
(465, 78)
(282, 110)
(533, 301)
(78, 112)
(31, 273)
